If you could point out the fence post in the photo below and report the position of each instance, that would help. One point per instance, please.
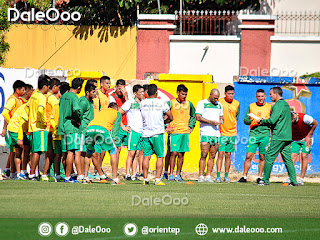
(153, 44)
(256, 44)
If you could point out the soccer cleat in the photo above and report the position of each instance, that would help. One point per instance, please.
(165, 176)
(21, 176)
(7, 172)
(300, 182)
(159, 183)
(146, 182)
(90, 175)
(262, 183)
(171, 178)
(134, 178)
(226, 180)
(128, 177)
(258, 180)
(58, 178)
(208, 179)
(178, 178)
(71, 180)
(201, 179)
(87, 181)
(34, 179)
(117, 183)
(293, 184)
(241, 180)
(218, 180)
(44, 178)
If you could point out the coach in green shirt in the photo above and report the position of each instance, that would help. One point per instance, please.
(280, 124)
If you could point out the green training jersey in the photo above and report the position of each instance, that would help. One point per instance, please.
(257, 130)
(279, 121)
(87, 112)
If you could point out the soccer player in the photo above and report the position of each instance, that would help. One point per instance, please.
(86, 105)
(184, 120)
(120, 96)
(209, 113)
(281, 127)
(303, 127)
(52, 103)
(13, 103)
(134, 129)
(17, 146)
(37, 123)
(152, 110)
(101, 101)
(259, 136)
(69, 123)
(231, 111)
(99, 135)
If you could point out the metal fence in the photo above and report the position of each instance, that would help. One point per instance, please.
(298, 23)
(207, 23)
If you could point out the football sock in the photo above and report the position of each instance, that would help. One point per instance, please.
(226, 174)
(218, 174)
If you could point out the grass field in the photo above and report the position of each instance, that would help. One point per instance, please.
(53, 200)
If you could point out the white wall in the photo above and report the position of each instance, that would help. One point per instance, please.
(299, 55)
(222, 59)
(274, 6)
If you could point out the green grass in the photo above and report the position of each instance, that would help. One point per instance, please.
(53, 200)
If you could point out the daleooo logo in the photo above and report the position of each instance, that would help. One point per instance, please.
(51, 14)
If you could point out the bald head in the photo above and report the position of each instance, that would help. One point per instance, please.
(214, 95)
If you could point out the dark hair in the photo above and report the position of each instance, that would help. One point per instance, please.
(277, 90)
(92, 81)
(43, 80)
(28, 86)
(120, 82)
(229, 88)
(152, 89)
(145, 87)
(136, 88)
(89, 87)
(18, 84)
(64, 87)
(182, 88)
(77, 83)
(54, 82)
(260, 90)
(113, 105)
(103, 79)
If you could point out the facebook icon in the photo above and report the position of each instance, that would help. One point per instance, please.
(62, 229)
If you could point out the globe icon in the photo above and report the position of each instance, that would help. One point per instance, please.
(201, 229)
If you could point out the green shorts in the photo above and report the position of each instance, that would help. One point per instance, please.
(98, 138)
(13, 141)
(50, 141)
(296, 146)
(82, 145)
(39, 141)
(258, 142)
(135, 141)
(57, 146)
(210, 139)
(155, 144)
(7, 138)
(227, 144)
(70, 142)
(26, 139)
(179, 142)
(121, 139)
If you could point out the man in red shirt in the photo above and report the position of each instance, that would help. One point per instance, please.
(303, 127)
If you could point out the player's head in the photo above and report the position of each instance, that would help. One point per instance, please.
(138, 91)
(182, 92)
(261, 96)
(90, 91)
(152, 91)
(64, 87)
(214, 96)
(113, 105)
(275, 94)
(77, 84)
(120, 87)
(294, 117)
(29, 91)
(44, 83)
(145, 88)
(229, 92)
(19, 87)
(54, 85)
(105, 83)
(94, 82)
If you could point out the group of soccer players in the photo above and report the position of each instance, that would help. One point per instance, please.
(72, 131)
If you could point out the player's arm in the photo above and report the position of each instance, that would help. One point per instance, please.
(311, 121)
(41, 110)
(274, 116)
(247, 119)
(238, 112)
(204, 120)
(169, 118)
(7, 108)
(116, 126)
(193, 118)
